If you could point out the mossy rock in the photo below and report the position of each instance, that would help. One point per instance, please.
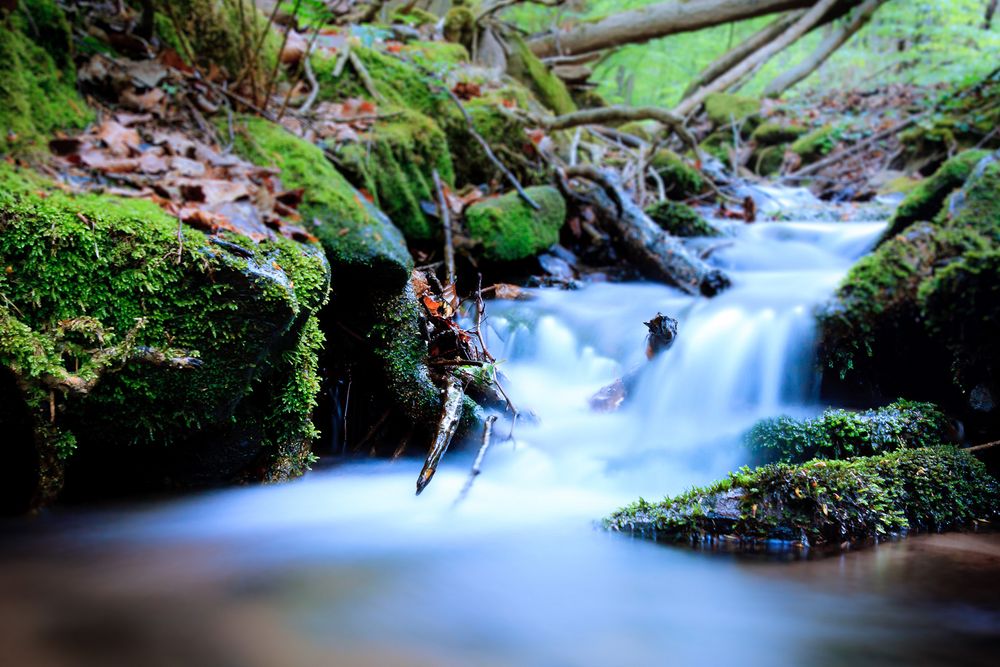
(977, 204)
(841, 434)
(395, 161)
(37, 78)
(509, 229)
(824, 503)
(358, 239)
(680, 220)
(724, 109)
(505, 135)
(373, 299)
(101, 300)
(460, 25)
(773, 133)
(681, 179)
(816, 144)
(924, 202)
(718, 144)
(436, 55)
(960, 306)
(215, 34)
(525, 66)
(768, 161)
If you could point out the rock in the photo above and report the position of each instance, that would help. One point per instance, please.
(682, 181)
(773, 133)
(816, 144)
(509, 229)
(824, 503)
(926, 200)
(142, 363)
(840, 434)
(680, 220)
(723, 109)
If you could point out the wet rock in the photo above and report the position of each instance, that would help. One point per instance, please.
(509, 229)
(824, 503)
(680, 220)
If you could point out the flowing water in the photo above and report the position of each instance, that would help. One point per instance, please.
(348, 567)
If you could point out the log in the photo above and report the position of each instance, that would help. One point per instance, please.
(657, 254)
(827, 47)
(731, 58)
(805, 23)
(666, 18)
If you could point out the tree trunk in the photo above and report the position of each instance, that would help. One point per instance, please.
(667, 18)
(991, 9)
(827, 47)
(806, 23)
(731, 58)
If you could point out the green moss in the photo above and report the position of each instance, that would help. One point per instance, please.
(840, 434)
(723, 109)
(826, 502)
(414, 16)
(460, 26)
(394, 162)
(525, 66)
(434, 55)
(773, 134)
(215, 33)
(37, 78)
(718, 144)
(681, 179)
(357, 238)
(680, 220)
(510, 229)
(925, 201)
(977, 205)
(768, 161)
(505, 135)
(89, 280)
(811, 147)
(875, 309)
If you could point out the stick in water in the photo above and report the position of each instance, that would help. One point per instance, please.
(450, 415)
(478, 463)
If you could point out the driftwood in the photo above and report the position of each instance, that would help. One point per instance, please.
(451, 413)
(657, 254)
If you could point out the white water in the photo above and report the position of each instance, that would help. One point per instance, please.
(348, 567)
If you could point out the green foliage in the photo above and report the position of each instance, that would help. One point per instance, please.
(839, 434)
(680, 220)
(509, 229)
(826, 502)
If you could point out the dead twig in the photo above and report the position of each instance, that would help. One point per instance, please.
(449, 246)
(979, 448)
(366, 78)
(450, 415)
(477, 464)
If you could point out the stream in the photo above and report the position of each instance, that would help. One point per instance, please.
(348, 567)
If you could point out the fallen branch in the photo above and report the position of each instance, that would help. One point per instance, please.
(656, 253)
(477, 464)
(451, 412)
(449, 246)
(366, 78)
(988, 445)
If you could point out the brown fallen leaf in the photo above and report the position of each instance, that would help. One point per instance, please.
(120, 141)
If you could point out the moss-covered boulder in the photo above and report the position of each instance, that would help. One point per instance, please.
(148, 357)
(768, 161)
(773, 133)
(977, 204)
(525, 66)
(724, 109)
(718, 144)
(509, 229)
(215, 34)
(825, 503)
(841, 434)
(925, 201)
(816, 144)
(37, 78)
(680, 178)
(680, 220)
(373, 301)
(395, 162)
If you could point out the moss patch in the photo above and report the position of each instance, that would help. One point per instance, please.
(681, 179)
(813, 146)
(509, 229)
(680, 220)
(772, 133)
(840, 434)
(95, 287)
(924, 202)
(532, 72)
(37, 78)
(723, 109)
(768, 161)
(826, 502)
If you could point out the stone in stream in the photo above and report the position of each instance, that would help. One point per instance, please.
(661, 337)
(824, 503)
